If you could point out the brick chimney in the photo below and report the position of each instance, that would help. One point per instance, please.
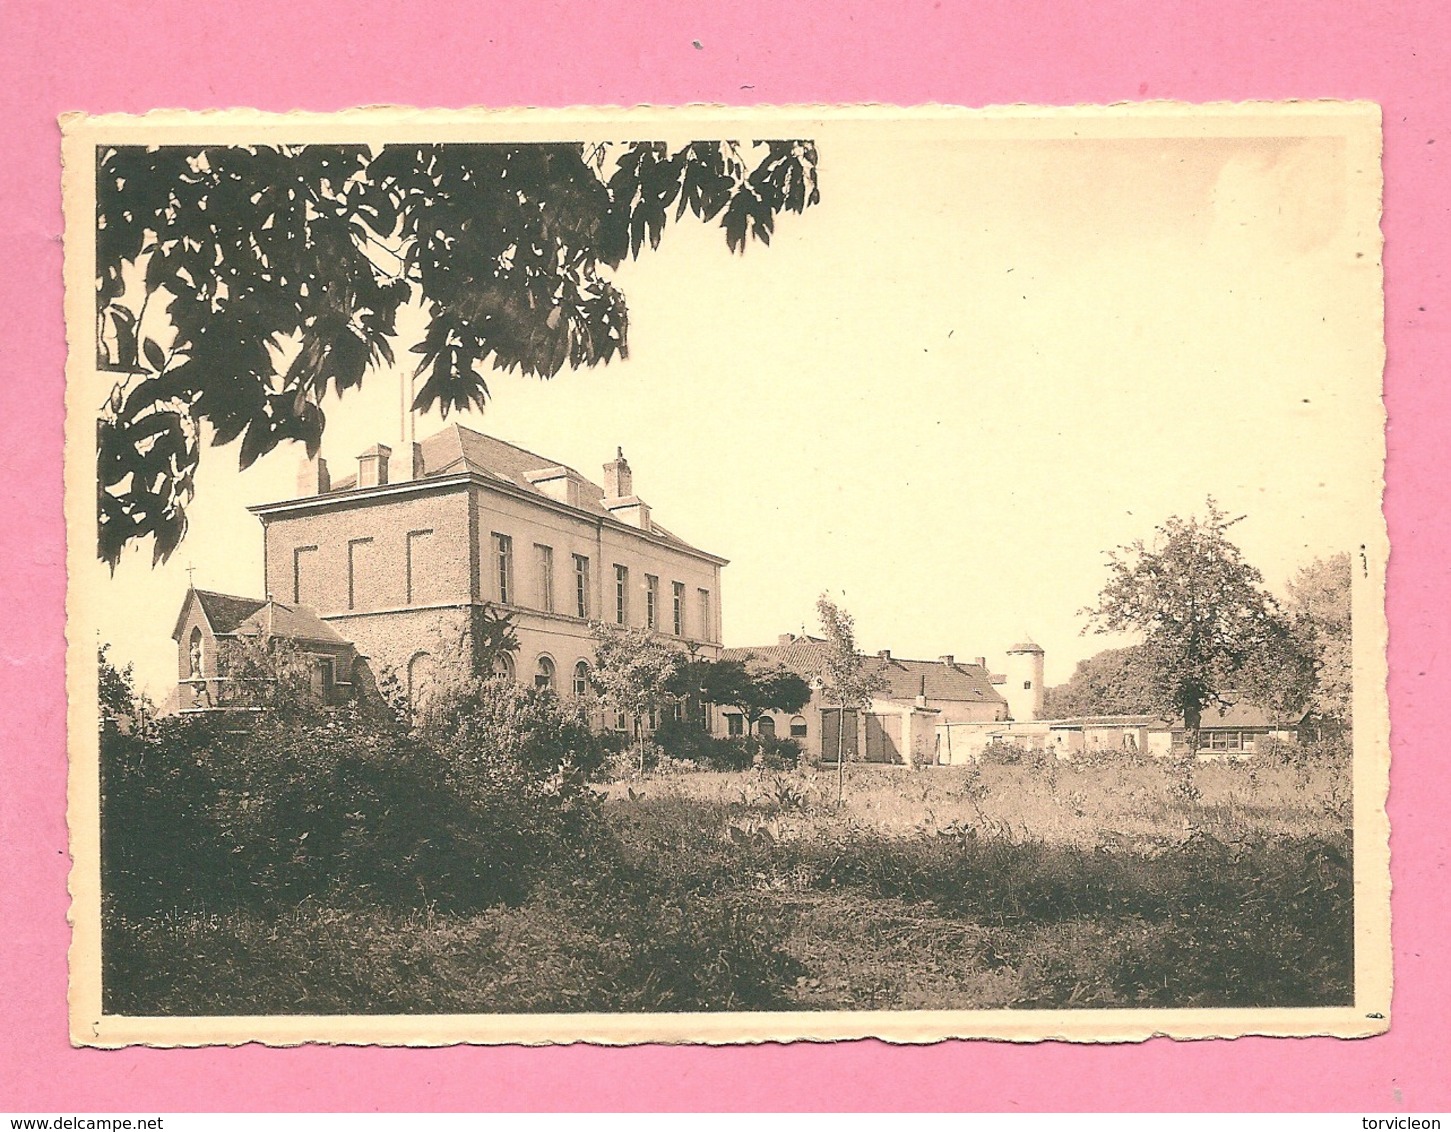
(980, 661)
(620, 500)
(785, 638)
(313, 478)
(949, 660)
(619, 483)
(884, 654)
(373, 466)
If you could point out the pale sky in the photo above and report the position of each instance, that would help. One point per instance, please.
(943, 393)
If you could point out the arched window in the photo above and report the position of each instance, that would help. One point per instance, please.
(194, 651)
(766, 727)
(504, 666)
(544, 673)
(581, 678)
(798, 727)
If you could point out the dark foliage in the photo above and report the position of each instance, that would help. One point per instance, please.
(270, 276)
(1111, 682)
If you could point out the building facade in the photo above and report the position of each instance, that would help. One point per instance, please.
(401, 559)
(901, 724)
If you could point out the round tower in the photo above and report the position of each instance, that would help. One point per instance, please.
(1023, 688)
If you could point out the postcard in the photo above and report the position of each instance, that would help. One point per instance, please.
(716, 575)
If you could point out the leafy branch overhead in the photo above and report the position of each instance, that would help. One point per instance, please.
(237, 285)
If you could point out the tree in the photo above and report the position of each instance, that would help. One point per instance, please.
(236, 285)
(635, 673)
(270, 675)
(1319, 600)
(1206, 621)
(1111, 682)
(849, 683)
(116, 688)
(754, 692)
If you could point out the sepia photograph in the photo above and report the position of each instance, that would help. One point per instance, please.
(711, 575)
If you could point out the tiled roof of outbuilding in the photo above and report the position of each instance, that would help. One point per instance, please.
(905, 679)
(1243, 713)
(229, 615)
(294, 622)
(225, 611)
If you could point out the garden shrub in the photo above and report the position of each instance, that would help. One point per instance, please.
(1005, 753)
(778, 754)
(686, 740)
(204, 813)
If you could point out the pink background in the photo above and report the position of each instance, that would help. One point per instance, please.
(134, 56)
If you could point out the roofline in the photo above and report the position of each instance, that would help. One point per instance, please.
(331, 499)
(191, 594)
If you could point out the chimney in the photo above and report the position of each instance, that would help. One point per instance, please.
(922, 691)
(884, 654)
(980, 661)
(417, 461)
(949, 660)
(785, 638)
(312, 478)
(373, 466)
(619, 483)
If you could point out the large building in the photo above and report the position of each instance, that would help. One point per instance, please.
(401, 559)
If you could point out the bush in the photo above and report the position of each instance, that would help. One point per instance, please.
(1330, 752)
(778, 754)
(684, 740)
(205, 813)
(1002, 753)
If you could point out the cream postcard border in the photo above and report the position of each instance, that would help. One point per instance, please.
(1358, 123)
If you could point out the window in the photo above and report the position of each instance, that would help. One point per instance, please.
(357, 561)
(504, 567)
(414, 569)
(735, 724)
(544, 673)
(766, 727)
(581, 586)
(322, 679)
(622, 594)
(304, 575)
(798, 727)
(707, 624)
(1027, 685)
(677, 602)
(504, 666)
(581, 678)
(652, 600)
(544, 560)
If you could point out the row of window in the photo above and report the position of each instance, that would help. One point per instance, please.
(765, 726)
(419, 575)
(544, 674)
(508, 593)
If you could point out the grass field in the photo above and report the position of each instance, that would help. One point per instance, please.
(1000, 886)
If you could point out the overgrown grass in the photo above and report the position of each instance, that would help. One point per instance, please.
(1004, 886)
